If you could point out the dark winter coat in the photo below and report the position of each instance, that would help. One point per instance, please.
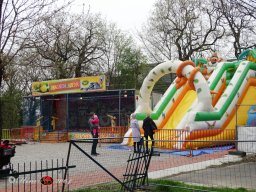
(148, 126)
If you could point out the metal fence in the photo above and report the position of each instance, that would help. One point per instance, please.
(212, 162)
(36, 133)
(219, 166)
(38, 176)
(183, 140)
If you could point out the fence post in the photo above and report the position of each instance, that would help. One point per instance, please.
(67, 163)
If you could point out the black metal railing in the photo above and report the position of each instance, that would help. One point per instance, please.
(38, 176)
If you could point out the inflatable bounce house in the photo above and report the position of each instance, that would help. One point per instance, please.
(251, 122)
(200, 104)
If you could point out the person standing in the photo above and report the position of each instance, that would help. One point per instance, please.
(149, 126)
(113, 122)
(94, 127)
(135, 133)
(53, 122)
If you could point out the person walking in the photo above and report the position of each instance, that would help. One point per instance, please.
(135, 133)
(149, 126)
(94, 127)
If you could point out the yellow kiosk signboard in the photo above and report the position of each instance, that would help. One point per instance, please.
(75, 85)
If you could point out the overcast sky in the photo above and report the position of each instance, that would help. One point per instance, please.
(129, 15)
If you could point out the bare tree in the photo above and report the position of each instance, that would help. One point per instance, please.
(182, 27)
(17, 20)
(51, 42)
(115, 44)
(246, 6)
(69, 45)
(89, 44)
(239, 21)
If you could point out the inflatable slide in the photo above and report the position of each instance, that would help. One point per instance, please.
(193, 103)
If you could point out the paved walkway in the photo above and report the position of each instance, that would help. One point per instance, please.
(192, 167)
(32, 152)
(88, 173)
(233, 176)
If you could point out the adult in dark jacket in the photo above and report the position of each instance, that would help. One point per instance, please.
(149, 126)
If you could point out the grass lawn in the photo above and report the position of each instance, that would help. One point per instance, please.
(160, 186)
